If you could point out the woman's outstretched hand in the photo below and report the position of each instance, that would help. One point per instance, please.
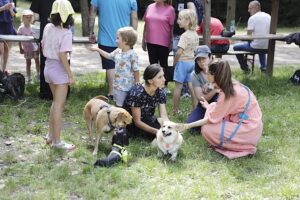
(203, 102)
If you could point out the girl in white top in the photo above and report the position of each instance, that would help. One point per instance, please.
(184, 57)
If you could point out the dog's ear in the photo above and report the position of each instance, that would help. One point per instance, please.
(121, 115)
(161, 121)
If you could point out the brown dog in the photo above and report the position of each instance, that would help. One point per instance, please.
(105, 117)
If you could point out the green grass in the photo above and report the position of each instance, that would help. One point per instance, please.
(31, 170)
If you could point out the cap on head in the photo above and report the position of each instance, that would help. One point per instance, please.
(27, 12)
(202, 51)
(64, 8)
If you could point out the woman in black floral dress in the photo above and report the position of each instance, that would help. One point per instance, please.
(142, 101)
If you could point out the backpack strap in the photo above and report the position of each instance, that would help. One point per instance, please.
(242, 116)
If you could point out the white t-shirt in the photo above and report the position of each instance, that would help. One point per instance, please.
(259, 23)
(188, 42)
(56, 40)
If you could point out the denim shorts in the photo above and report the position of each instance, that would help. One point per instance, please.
(183, 70)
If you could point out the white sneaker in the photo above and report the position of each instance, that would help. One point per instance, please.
(186, 95)
(167, 91)
(29, 81)
(64, 146)
(37, 78)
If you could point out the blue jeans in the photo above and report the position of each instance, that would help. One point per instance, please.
(245, 46)
(199, 113)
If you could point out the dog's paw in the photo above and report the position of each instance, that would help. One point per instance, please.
(173, 157)
(160, 154)
(154, 143)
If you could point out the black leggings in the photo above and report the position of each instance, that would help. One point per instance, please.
(134, 131)
(158, 54)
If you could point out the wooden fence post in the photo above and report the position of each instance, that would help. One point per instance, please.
(273, 28)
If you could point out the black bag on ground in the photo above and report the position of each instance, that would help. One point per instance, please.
(12, 86)
(296, 77)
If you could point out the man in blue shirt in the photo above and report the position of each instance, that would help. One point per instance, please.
(112, 15)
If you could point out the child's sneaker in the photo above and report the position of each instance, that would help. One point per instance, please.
(167, 91)
(64, 146)
(29, 81)
(186, 95)
(37, 78)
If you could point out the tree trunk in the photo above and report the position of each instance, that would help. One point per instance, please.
(84, 7)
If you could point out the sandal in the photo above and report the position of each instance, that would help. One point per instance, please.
(47, 139)
(64, 146)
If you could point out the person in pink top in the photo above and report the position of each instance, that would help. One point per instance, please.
(56, 46)
(232, 125)
(29, 49)
(216, 27)
(157, 36)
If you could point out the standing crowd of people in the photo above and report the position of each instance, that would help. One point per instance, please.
(225, 111)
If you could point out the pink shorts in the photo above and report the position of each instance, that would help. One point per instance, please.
(55, 73)
(31, 54)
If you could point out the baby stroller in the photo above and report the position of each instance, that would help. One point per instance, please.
(12, 86)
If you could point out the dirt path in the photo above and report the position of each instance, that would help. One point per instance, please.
(84, 61)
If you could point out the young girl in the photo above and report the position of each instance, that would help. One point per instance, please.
(30, 49)
(232, 125)
(184, 60)
(56, 45)
(126, 60)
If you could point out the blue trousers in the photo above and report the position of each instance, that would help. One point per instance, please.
(199, 113)
(245, 46)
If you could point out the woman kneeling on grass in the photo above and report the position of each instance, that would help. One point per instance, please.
(232, 125)
(142, 101)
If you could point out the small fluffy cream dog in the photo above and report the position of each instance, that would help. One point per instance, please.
(169, 139)
(105, 117)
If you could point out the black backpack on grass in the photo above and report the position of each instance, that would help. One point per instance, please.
(296, 77)
(12, 86)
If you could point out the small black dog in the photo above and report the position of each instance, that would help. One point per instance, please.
(12, 86)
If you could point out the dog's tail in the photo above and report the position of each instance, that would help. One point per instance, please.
(101, 97)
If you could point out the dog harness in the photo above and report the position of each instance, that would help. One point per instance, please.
(242, 116)
(111, 127)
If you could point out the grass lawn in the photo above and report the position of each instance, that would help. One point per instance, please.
(31, 170)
